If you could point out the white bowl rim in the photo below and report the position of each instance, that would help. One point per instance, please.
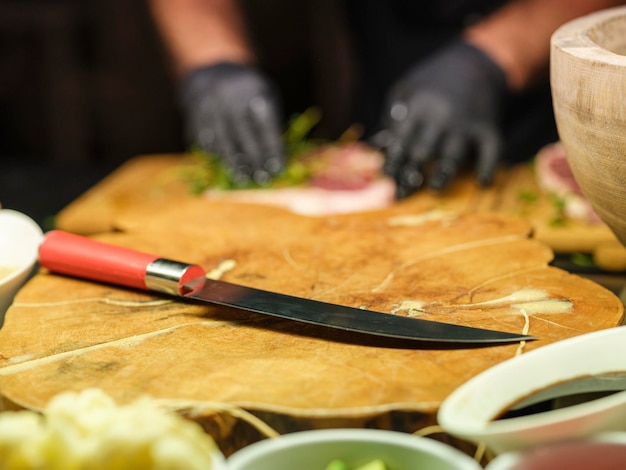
(481, 429)
(304, 438)
(29, 224)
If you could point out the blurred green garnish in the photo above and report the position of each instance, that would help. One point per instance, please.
(559, 218)
(297, 136)
(527, 195)
(582, 259)
(207, 170)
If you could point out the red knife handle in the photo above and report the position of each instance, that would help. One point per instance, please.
(82, 257)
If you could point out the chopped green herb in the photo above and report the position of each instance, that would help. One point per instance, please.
(557, 221)
(582, 259)
(527, 195)
(208, 171)
(559, 218)
(296, 137)
(558, 202)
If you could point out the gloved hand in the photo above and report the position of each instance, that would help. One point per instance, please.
(445, 110)
(232, 111)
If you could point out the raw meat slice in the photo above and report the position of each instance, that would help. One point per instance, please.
(348, 166)
(343, 179)
(316, 201)
(555, 176)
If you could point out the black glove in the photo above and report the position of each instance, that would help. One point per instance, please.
(233, 112)
(444, 110)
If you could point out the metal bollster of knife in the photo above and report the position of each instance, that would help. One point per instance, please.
(77, 256)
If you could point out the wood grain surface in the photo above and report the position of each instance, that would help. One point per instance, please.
(216, 364)
(150, 183)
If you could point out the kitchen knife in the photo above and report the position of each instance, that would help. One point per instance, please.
(82, 257)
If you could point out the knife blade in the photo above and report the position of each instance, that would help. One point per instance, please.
(74, 255)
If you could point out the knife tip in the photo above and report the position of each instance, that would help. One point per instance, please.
(524, 338)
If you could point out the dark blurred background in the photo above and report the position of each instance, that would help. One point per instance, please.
(86, 85)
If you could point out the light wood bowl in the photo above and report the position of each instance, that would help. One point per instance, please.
(588, 78)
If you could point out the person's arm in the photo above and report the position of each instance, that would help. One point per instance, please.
(202, 32)
(517, 36)
(231, 109)
(448, 107)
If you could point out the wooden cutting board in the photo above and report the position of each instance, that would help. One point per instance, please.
(147, 184)
(216, 364)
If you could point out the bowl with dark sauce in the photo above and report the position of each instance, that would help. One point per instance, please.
(571, 389)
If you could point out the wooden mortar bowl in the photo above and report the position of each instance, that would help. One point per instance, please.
(588, 79)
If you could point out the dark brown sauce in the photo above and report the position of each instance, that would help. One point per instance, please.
(565, 394)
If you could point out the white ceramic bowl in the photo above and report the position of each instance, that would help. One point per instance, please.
(602, 452)
(314, 450)
(218, 462)
(566, 367)
(20, 237)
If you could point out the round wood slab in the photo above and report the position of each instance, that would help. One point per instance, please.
(210, 363)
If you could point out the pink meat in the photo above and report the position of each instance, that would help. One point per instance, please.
(555, 176)
(315, 201)
(351, 166)
(344, 179)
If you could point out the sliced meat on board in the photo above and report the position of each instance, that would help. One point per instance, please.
(316, 201)
(555, 176)
(150, 184)
(343, 179)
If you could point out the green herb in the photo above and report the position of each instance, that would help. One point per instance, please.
(204, 170)
(527, 195)
(296, 137)
(582, 259)
(207, 170)
(559, 218)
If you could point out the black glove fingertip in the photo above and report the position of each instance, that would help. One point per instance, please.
(381, 139)
(408, 182)
(261, 177)
(439, 182)
(274, 165)
(485, 180)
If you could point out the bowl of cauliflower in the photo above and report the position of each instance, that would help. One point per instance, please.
(88, 430)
